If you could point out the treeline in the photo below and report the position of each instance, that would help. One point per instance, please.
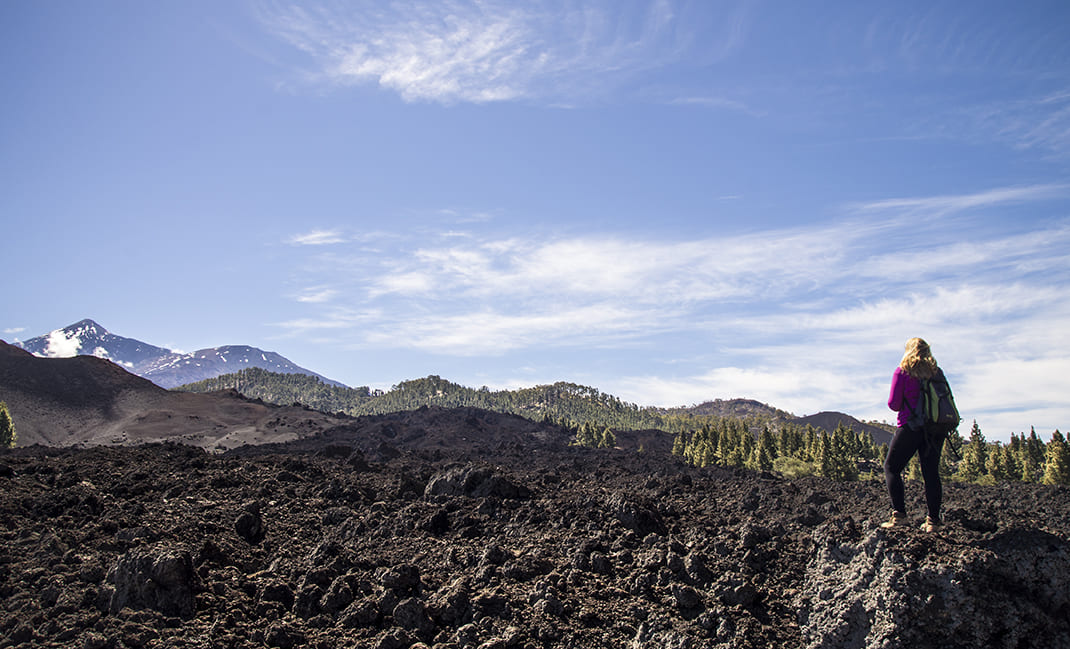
(791, 450)
(1023, 459)
(759, 441)
(846, 455)
(284, 389)
(567, 403)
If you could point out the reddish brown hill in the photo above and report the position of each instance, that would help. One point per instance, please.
(88, 400)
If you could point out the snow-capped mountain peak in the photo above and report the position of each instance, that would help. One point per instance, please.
(87, 338)
(162, 366)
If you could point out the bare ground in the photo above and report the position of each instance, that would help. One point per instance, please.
(461, 528)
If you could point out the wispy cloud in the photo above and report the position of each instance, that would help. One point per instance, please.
(935, 206)
(806, 318)
(317, 238)
(491, 50)
(721, 103)
(60, 345)
(317, 295)
(491, 332)
(1038, 122)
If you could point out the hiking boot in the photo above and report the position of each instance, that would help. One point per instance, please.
(898, 518)
(931, 525)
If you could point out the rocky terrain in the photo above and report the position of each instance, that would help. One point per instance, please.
(469, 529)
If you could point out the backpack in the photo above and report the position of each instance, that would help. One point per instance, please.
(936, 413)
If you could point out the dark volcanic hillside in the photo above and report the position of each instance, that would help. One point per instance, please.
(346, 540)
(89, 400)
(830, 420)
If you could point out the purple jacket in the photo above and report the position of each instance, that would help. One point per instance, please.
(906, 392)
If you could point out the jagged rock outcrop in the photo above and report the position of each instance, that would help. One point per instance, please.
(161, 579)
(1009, 590)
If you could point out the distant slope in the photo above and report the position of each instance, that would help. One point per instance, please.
(560, 402)
(163, 367)
(738, 408)
(830, 420)
(90, 400)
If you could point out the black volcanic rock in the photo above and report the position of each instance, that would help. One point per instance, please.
(163, 367)
(138, 546)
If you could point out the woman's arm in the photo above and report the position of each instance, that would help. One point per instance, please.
(896, 396)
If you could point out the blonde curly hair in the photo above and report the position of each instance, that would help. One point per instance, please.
(918, 360)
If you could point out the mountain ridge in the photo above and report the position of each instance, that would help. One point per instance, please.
(211, 369)
(164, 367)
(564, 402)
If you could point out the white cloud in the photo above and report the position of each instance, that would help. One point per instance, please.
(317, 295)
(806, 318)
(59, 345)
(1041, 250)
(491, 332)
(1040, 122)
(495, 50)
(337, 319)
(720, 103)
(412, 283)
(317, 238)
(934, 206)
(646, 271)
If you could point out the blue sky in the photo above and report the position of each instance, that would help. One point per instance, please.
(669, 201)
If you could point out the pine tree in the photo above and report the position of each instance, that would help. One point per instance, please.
(705, 454)
(994, 466)
(764, 452)
(1057, 461)
(739, 446)
(824, 456)
(8, 437)
(1031, 457)
(1011, 465)
(713, 437)
(730, 449)
(974, 457)
(813, 445)
(845, 446)
(746, 441)
(947, 465)
(868, 446)
(587, 436)
(679, 444)
(789, 441)
(913, 471)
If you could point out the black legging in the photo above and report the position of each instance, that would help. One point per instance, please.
(906, 442)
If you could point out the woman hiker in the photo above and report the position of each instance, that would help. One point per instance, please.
(917, 364)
